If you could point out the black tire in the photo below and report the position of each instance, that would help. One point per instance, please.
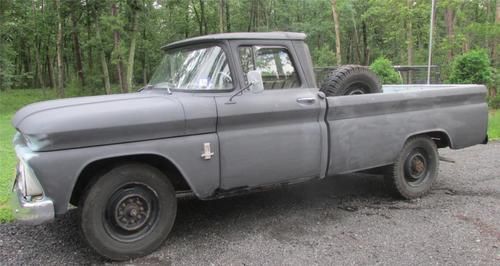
(351, 80)
(128, 212)
(415, 169)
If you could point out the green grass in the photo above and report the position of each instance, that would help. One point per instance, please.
(12, 100)
(494, 125)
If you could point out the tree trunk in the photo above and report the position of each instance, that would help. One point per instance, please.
(449, 17)
(198, 18)
(356, 39)
(494, 55)
(37, 51)
(117, 40)
(337, 32)
(131, 55)
(60, 80)
(50, 69)
(366, 60)
(78, 50)
(102, 57)
(89, 34)
(221, 16)
(496, 42)
(143, 61)
(409, 31)
(39, 66)
(186, 21)
(228, 18)
(202, 16)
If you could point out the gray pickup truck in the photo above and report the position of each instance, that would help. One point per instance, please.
(223, 115)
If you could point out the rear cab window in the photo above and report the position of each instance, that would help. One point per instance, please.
(274, 62)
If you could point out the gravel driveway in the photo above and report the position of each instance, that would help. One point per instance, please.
(343, 220)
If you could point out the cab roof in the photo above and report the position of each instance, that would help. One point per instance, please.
(277, 35)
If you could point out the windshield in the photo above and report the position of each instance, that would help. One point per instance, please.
(193, 69)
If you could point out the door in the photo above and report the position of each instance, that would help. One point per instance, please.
(273, 136)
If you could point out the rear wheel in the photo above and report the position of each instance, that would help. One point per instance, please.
(351, 80)
(415, 169)
(128, 212)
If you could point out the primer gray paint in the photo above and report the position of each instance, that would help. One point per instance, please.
(262, 139)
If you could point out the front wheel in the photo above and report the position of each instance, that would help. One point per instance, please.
(415, 169)
(128, 212)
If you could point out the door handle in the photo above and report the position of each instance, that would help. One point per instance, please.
(306, 100)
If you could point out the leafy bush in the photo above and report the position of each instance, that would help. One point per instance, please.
(385, 71)
(472, 67)
(494, 102)
(323, 56)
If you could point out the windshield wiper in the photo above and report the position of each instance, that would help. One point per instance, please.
(149, 86)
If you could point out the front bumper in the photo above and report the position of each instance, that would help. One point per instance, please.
(33, 211)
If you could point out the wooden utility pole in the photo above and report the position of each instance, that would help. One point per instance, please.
(337, 32)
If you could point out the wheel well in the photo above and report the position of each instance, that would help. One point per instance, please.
(98, 168)
(441, 139)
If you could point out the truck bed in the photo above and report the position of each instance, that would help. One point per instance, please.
(367, 131)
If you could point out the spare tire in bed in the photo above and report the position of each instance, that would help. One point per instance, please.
(351, 80)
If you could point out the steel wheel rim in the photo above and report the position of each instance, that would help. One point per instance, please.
(131, 212)
(416, 167)
(356, 89)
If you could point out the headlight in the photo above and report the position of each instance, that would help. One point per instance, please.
(27, 181)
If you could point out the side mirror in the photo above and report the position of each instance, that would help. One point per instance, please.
(254, 77)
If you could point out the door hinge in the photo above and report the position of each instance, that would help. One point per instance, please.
(207, 153)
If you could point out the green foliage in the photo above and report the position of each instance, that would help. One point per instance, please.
(494, 102)
(384, 69)
(472, 68)
(494, 125)
(369, 29)
(324, 56)
(11, 101)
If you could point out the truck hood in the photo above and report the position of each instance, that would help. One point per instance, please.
(99, 120)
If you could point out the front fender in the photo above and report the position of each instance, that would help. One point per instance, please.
(58, 171)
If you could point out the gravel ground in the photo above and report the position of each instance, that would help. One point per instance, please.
(343, 220)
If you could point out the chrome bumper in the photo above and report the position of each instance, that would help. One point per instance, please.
(33, 212)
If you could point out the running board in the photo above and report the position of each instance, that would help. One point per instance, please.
(184, 194)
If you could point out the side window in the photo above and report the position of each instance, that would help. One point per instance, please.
(275, 63)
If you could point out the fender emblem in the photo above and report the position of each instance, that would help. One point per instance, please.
(207, 153)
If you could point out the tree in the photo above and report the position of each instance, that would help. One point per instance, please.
(134, 7)
(117, 51)
(122, 37)
(102, 54)
(60, 80)
(76, 42)
(221, 15)
(409, 31)
(337, 32)
(384, 69)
